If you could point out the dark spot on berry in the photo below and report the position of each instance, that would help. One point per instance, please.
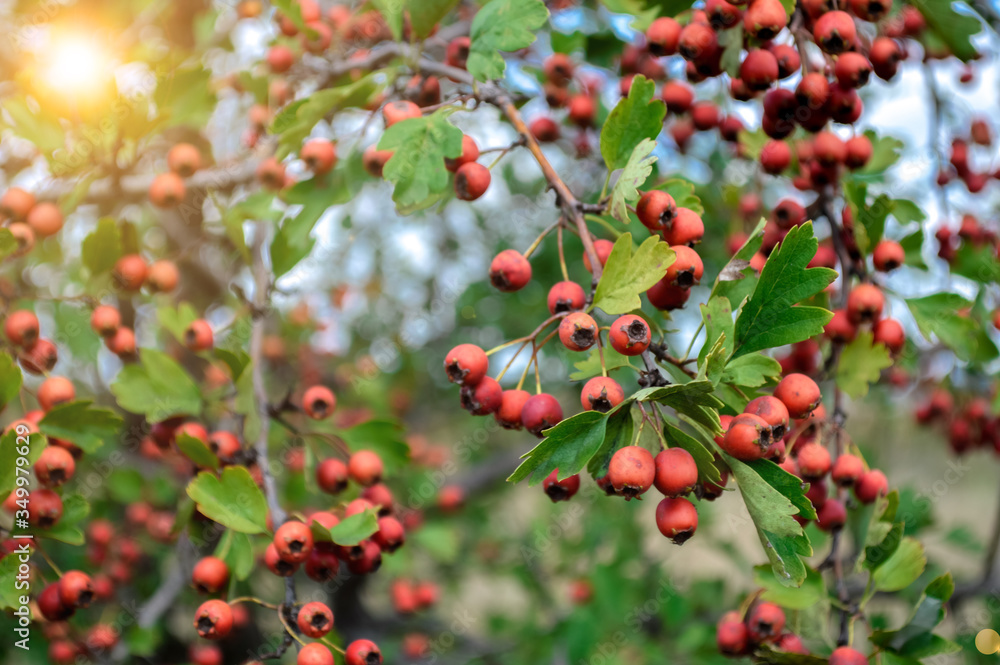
(583, 337)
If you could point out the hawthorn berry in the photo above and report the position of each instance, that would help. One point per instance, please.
(466, 364)
(889, 333)
(471, 181)
(840, 328)
(184, 159)
(365, 468)
(663, 36)
(163, 276)
(831, 515)
(561, 490)
(859, 151)
(483, 398)
(40, 358)
(319, 402)
(764, 19)
(864, 304)
(885, 55)
(871, 486)
(213, 619)
(541, 412)
(565, 297)
(544, 129)
(270, 174)
(847, 656)
(888, 255)
(759, 69)
(510, 271)
(105, 320)
(315, 619)
(686, 229)
(846, 470)
(398, 111)
(732, 636)
(629, 335)
(54, 391)
(457, 52)
(834, 32)
(747, 438)
(390, 534)
(293, 542)
(676, 472)
(130, 272)
(101, 637)
(167, 190)
(45, 219)
(765, 622)
(16, 203)
(799, 393)
(631, 471)
(54, 466)
(76, 589)
(224, 444)
(791, 643)
(601, 394)
(813, 460)
(603, 250)
(470, 153)
(21, 328)
(773, 411)
(578, 331)
(51, 606)
(677, 519)
(380, 497)
(363, 652)
(582, 110)
(558, 69)
(666, 296)
(687, 268)
(319, 155)
(322, 565)
(656, 209)
(788, 59)
(678, 96)
(373, 160)
(210, 575)
(511, 407)
(331, 476)
(198, 336)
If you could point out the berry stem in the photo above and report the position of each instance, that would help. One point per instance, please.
(531, 249)
(253, 599)
(49, 561)
(562, 253)
(288, 629)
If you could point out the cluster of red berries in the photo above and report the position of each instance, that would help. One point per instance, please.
(28, 219)
(168, 189)
(566, 88)
(409, 597)
(968, 427)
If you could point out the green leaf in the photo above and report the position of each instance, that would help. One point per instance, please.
(634, 118)
(8, 243)
(157, 387)
(103, 247)
(683, 193)
(502, 25)
(10, 379)
(186, 97)
(568, 446)
(294, 240)
(196, 451)
(812, 592)
(426, 14)
(768, 654)
(233, 500)
(913, 248)
(703, 457)
(861, 364)
(937, 314)
(419, 147)
(126, 485)
(737, 279)
(75, 510)
(636, 172)
(617, 434)
(717, 314)
(906, 211)
(236, 549)
(694, 400)
(9, 455)
(590, 366)
(752, 370)
(441, 541)
(885, 153)
(352, 530)
(628, 275)
(43, 130)
(976, 263)
(383, 437)
(176, 321)
(912, 639)
(955, 29)
(83, 425)
(731, 41)
(903, 568)
(752, 143)
(392, 12)
(12, 589)
(771, 317)
(236, 360)
(296, 121)
(869, 220)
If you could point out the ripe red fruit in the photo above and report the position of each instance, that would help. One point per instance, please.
(603, 250)
(676, 472)
(666, 296)
(319, 155)
(319, 402)
(398, 111)
(76, 589)
(466, 364)
(788, 213)
(656, 209)
(846, 470)
(704, 115)
(885, 55)
(870, 486)
(541, 412)
(365, 468)
(471, 181)
(834, 32)
(773, 411)
(601, 394)
(678, 96)
(510, 271)
(322, 565)
(482, 398)
(271, 173)
(54, 466)
(198, 336)
(831, 515)
(829, 149)
(578, 331)
(813, 460)
(163, 276)
(764, 19)
(373, 160)
(859, 151)
(293, 542)
(214, 619)
(888, 255)
(864, 304)
(775, 157)
(629, 335)
(747, 438)
(799, 393)
(511, 406)
(16, 203)
(390, 534)
(40, 358)
(470, 153)
(184, 159)
(566, 297)
(558, 69)
(315, 619)
(765, 622)
(544, 129)
(582, 110)
(870, 10)
(759, 69)
(732, 637)
(51, 607)
(840, 328)
(631, 471)
(677, 519)
(21, 328)
(457, 52)
(847, 656)
(55, 390)
(788, 59)
(363, 652)
(663, 36)
(314, 653)
(696, 40)
(889, 333)
(130, 272)
(210, 575)
(852, 69)
(561, 490)
(331, 476)
(686, 229)
(687, 268)
(45, 219)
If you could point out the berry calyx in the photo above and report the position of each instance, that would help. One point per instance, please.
(561, 490)
(578, 331)
(601, 394)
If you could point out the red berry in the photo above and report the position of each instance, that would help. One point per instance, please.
(482, 398)
(775, 157)
(773, 411)
(365, 468)
(466, 364)
(50, 605)
(663, 36)
(373, 160)
(130, 272)
(629, 335)
(676, 472)
(16, 203)
(184, 159)
(687, 268)
(470, 153)
(829, 149)
(76, 589)
(54, 466)
(799, 393)
(105, 320)
(764, 19)
(871, 486)
(510, 271)
(561, 490)
(544, 129)
(834, 32)
(398, 111)
(748, 437)
(198, 336)
(631, 471)
(293, 542)
(319, 155)
(214, 619)
(40, 358)
(846, 470)
(363, 652)
(765, 622)
(511, 406)
(864, 304)
(677, 519)
(390, 534)
(210, 575)
(582, 110)
(656, 209)
(578, 331)
(471, 181)
(558, 69)
(167, 191)
(759, 69)
(666, 296)
(732, 637)
(314, 653)
(541, 412)
(678, 96)
(319, 402)
(44, 508)
(847, 656)
(601, 394)
(889, 333)
(888, 255)
(813, 460)
(331, 476)
(840, 328)
(686, 229)
(315, 619)
(457, 52)
(566, 297)
(831, 515)
(21, 328)
(791, 644)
